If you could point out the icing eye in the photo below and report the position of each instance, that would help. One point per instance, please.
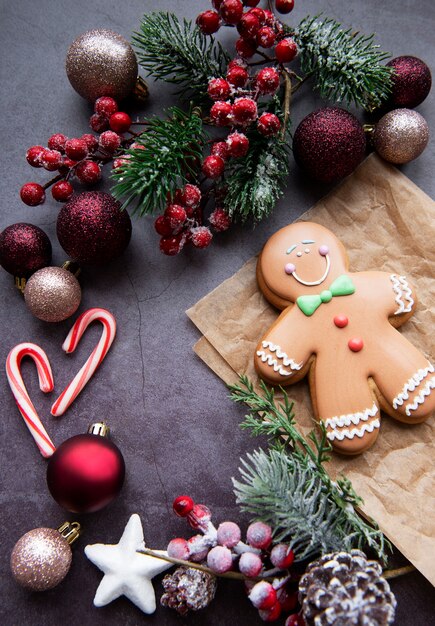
(298, 253)
(289, 268)
(307, 250)
(323, 250)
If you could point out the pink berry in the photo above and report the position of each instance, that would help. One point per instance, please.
(32, 194)
(34, 154)
(284, 6)
(163, 228)
(62, 191)
(231, 11)
(219, 559)
(120, 122)
(76, 149)
(190, 196)
(213, 166)
(176, 215)
(88, 172)
(200, 516)
(286, 50)
(220, 113)
(178, 549)
(91, 141)
(268, 124)
(265, 37)
(294, 620)
(220, 149)
(267, 80)
(201, 236)
(171, 245)
(259, 14)
(183, 505)
(244, 111)
(259, 535)
(237, 76)
(99, 122)
(220, 220)
(249, 26)
(198, 548)
(238, 144)
(245, 48)
(263, 595)
(250, 564)
(218, 89)
(208, 22)
(109, 141)
(272, 614)
(57, 142)
(51, 160)
(228, 534)
(105, 106)
(282, 556)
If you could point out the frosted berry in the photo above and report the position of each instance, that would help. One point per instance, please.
(219, 559)
(109, 141)
(284, 6)
(259, 14)
(268, 124)
(259, 535)
(263, 595)
(178, 549)
(120, 161)
(220, 220)
(57, 142)
(105, 106)
(163, 228)
(231, 11)
(272, 614)
(218, 89)
(208, 22)
(198, 548)
(249, 26)
(213, 166)
(176, 215)
(182, 505)
(51, 160)
(286, 50)
(287, 599)
(98, 122)
(245, 48)
(294, 620)
(62, 191)
(190, 196)
(267, 80)
(220, 113)
(250, 564)
(244, 111)
(33, 156)
(238, 144)
(91, 141)
(171, 245)
(269, 18)
(88, 172)
(200, 516)
(282, 556)
(265, 37)
(228, 534)
(201, 236)
(32, 194)
(66, 165)
(120, 122)
(220, 149)
(237, 76)
(76, 149)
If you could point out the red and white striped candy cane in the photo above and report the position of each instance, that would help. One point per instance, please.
(71, 391)
(25, 406)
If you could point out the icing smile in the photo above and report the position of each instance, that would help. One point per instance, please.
(290, 268)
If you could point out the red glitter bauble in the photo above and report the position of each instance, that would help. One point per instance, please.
(85, 473)
(329, 143)
(412, 81)
(24, 249)
(92, 229)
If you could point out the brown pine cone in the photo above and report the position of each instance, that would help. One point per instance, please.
(345, 589)
(188, 589)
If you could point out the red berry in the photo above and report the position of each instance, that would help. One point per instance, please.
(272, 614)
(267, 80)
(259, 535)
(284, 6)
(218, 89)
(238, 144)
(249, 26)
(200, 516)
(109, 141)
(208, 22)
(88, 172)
(182, 505)
(51, 160)
(120, 161)
(32, 194)
(268, 124)
(34, 154)
(265, 37)
(198, 548)
(245, 48)
(57, 142)
(120, 122)
(237, 76)
(176, 215)
(231, 11)
(76, 149)
(201, 236)
(220, 149)
(282, 556)
(220, 113)
(259, 14)
(294, 620)
(190, 196)
(269, 18)
(66, 165)
(250, 564)
(163, 227)
(220, 220)
(106, 106)
(98, 122)
(263, 595)
(62, 191)
(228, 534)
(213, 166)
(171, 245)
(178, 549)
(219, 559)
(251, 3)
(286, 50)
(91, 141)
(287, 599)
(244, 111)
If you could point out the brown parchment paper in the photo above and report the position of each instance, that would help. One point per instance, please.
(386, 222)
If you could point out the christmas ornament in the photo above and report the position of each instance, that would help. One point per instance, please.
(52, 294)
(42, 557)
(329, 144)
(71, 391)
(401, 136)
(125, 571)
(412, 81)
(86, 472)
(188, 589)
(24, 249)
(92, 229)
(346, 588)
(101, 63)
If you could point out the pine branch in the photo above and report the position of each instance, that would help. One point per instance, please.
(179, 53)
(346, 66)
(171, 151)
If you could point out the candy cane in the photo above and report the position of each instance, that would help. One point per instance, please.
(71, 391)
(25, 406)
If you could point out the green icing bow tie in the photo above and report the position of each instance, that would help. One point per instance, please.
(342, 286)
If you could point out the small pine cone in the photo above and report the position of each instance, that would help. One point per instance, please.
(346, 589)
(188, 589)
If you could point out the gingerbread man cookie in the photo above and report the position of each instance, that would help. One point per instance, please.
(339, 328)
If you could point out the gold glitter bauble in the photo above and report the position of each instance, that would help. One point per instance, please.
(41, 559)
(101, 63)
(401, 136)
(52, 294)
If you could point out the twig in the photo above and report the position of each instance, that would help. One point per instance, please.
(287, 100)
(400, 571)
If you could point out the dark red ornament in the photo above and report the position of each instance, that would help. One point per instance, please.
(24, 249)
(92, 229)
(86, 472)
(329, 144)
(412, 81)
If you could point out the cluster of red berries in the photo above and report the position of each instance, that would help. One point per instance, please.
(181, 222)
(81, 157)
(222, 550)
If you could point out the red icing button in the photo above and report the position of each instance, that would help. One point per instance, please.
(356, 344)
(341, 321)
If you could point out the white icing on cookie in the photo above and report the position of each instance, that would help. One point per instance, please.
(354, 432)
(273, 347)
(421, 397)
(403, 293)
(351, 418)
(314, 282)
(412, 384)
(277, 367)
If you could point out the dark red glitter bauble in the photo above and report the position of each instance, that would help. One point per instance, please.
(328, 144)
(412, 81)
(24, 249)
(92, 229)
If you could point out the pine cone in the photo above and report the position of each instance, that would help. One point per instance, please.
(188, 589)
(345, 589)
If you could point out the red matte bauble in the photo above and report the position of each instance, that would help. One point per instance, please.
(85, 473)
(92, 229)
(329, 144)
(412, 81)
(24, 249)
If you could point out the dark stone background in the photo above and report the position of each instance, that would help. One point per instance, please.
(168, 412)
